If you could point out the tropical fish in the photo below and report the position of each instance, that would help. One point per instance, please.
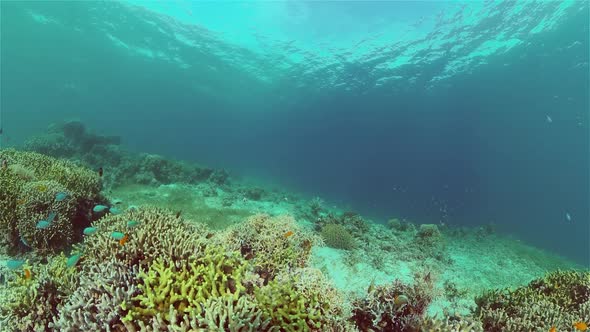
(553, 329)
(124, 239)
(132, 223)
(100, 171)
(89, 230)
(132, 208)
(43, 224)
(114, 210)
(117, 201)
(22, 239)
(549, 120)
(568, 217)
(15, 264)
(51, 216)
(100, 208)
(73, 260)
(580, 326)
(61, 196)
(178, 214)
(288, 234)
(117, 235)
(42, 188)
(21, 201)
(27, 274)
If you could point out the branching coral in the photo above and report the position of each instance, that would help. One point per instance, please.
(169, 291)
(96, 304)
(25, 200)
(302, 300)
(395, 307)
(157, 234)
(559, 299)
(29, 304)
(273, 244)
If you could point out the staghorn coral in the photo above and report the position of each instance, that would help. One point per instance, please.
(96, 304)
(27, 199)
(450, 324)
(266, 241)
(158, 234)
(337, 236)
(558, 299)
(394, 307)
(169, 291)
(302, 300)
(226, 314)
(31, 304)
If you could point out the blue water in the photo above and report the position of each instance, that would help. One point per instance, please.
(430, 111)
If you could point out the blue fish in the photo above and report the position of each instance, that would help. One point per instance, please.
(114, 210)
(61, 196)
(15, 264)
(100, 208)
(117, 201)
(117, 235)
(22, 239)
(51, 216)
(43, 224)
(132, 223)
(89, 230)
(73, 260)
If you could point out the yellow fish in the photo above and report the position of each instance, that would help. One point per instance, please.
(580, 326)
(42, 188)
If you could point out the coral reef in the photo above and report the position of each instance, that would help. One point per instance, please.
(96, 304)
(557, 300)
(72, 140)
(394, 307)
(28, 190)
(30, 303)
(158, 233)
(337, 236)
(273, 244)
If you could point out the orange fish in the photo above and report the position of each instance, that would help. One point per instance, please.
(288, 234)
(27, 274)
(553, 329)
(124, 239)
(581, 326)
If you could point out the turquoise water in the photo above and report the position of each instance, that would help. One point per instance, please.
(461, 113)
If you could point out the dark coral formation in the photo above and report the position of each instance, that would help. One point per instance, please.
(73, 141)
(29, 186)
(557, 300)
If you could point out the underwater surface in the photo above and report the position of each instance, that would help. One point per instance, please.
(294, 166)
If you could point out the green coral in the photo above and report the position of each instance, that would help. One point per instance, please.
(558, 299)
(337, 236)
(301, 300)
(31, 304)
(28, 185)
(171, 291)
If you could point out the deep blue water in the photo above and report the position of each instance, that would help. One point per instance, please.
(439, 124)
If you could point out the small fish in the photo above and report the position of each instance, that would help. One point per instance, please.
(100, 171)
(124, 239)
(580, 326)
(22, 239)
(117, 235)
(51, 217)
(178, 214)
(89, 230)
(61, 196)
(371, 286)
(1, 131)
(21, 201)
(100, 208)
(568, 217)
(132, 223)
(15, 264)
(114, 210)
(400, 300)
(132, 208)
(288, 234)
(117, 201)
(73, 260)
(4, 164)
(42, 188)
(43, 224)
(27, 274)
(553, 329)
